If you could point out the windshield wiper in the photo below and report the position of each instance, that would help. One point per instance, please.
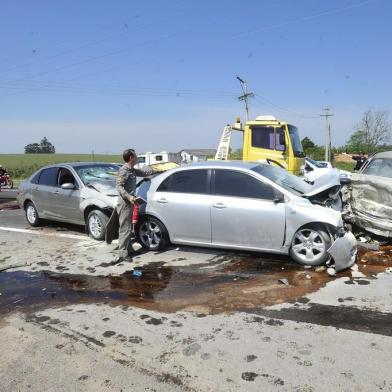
(91, 186)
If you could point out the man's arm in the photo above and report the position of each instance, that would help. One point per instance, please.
(145, 171)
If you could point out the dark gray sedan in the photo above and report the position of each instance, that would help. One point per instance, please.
(83, 193)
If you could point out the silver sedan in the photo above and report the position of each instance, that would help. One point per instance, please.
(248, 206)
(79, 193)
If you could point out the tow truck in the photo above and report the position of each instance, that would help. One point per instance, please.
(266, 139)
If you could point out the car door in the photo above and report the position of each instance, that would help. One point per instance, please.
(245, 212)
(182, 203)
(67, 200)
(43, 192)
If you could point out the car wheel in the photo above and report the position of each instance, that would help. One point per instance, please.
(309, 246)
(32, 214)
(152, 234)
(96, 224)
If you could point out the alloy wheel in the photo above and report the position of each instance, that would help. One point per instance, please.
(95, 226)
(150, 234)
(309, 245)
(31, 214)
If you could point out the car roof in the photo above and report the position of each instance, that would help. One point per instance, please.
(384, 154)
(77, 164)
(221, 164)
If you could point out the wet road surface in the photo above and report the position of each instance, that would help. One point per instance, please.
(248, 283)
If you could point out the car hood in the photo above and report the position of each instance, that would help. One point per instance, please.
(107, 187)
(328, 181)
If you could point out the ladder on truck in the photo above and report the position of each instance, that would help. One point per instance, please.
(222, 153)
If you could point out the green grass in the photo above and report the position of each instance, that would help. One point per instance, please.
(349, 166)
(21, 166)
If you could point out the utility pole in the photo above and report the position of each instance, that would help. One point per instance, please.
(327, 114)
(245, 96)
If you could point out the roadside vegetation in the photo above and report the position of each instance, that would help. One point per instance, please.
(21, 166)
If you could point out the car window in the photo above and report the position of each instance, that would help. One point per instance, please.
(379, 167)
(35, 178)
(65, 177)
(187, 181)
(237, 184)
(48, 176)
(283, 178)
(263, 137)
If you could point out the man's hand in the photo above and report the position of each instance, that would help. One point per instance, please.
(132, 199)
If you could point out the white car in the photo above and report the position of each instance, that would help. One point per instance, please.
(313, 170)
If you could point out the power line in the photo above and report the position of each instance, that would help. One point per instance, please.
(303, 19)
(281, 108)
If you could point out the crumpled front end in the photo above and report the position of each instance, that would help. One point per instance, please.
(370, 204)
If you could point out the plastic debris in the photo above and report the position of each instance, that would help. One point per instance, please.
(331, 271)
(284, 281)
(136, 273)
(321, 268)
(308, 276)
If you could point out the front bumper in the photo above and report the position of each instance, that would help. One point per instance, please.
(344, 251)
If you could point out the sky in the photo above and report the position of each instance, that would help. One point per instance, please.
(103, 76)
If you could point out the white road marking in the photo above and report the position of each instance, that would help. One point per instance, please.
(28, 231)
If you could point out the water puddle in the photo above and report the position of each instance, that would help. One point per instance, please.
(243, 284)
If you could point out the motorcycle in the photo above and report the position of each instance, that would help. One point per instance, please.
(6, 181)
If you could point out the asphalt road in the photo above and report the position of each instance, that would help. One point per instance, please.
(190, 319)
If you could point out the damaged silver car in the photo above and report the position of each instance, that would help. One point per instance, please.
(247, 206)
(79, 193)
(369, 196)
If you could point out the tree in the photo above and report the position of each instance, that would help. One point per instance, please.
(357, 143)
(307, 143)
(373, 130)
(45, 147)
(33, 148)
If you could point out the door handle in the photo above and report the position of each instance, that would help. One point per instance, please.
(219, 205)
(162, 201)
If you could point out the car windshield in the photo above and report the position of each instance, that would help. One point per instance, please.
(315, 163)
(296, 142)
(379, 167)
(97, 173)
(283, 178)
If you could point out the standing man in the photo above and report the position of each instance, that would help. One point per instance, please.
(126, 187)
(361, 159)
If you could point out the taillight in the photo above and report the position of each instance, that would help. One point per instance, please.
(135, 214)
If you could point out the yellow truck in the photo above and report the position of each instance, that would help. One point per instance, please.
(266, 139)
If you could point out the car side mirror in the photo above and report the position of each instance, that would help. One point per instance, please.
(68, 186)
(278, 197)
(344, 180)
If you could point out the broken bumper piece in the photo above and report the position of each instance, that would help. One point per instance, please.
(344, 251)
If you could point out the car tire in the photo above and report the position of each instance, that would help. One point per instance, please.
(96, 224)
(310, 245)
(32, 216)
(152, 234)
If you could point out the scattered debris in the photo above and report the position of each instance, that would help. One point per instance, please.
(321, 268)
(136, 273)
(284, 281)
(331, 271)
